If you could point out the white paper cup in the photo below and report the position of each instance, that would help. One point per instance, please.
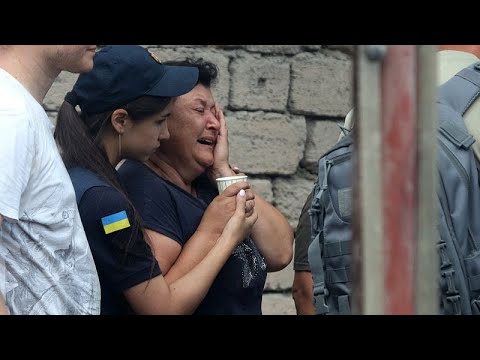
(224, 182)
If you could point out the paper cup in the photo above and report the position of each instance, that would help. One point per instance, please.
(224, 182)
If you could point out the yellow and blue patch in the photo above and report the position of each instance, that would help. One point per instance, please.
(115, 222)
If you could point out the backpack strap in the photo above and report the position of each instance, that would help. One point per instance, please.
(458, 94)
(461, 90)
(458, 136)
(469, 92)
(84, 179)
(320, 292)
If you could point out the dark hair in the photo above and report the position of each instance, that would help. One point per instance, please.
(79, 138)
(207, 71)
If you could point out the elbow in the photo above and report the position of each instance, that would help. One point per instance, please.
(286, 255)
(280, 261)
(285, 258)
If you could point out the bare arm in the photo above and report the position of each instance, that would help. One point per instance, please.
(302, 293)
(302, 287)
(273, 235)
(176, 261)
(185, 294)
(3, 306)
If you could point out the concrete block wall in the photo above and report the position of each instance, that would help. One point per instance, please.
(282, 105)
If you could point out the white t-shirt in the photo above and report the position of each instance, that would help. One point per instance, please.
(46, 266)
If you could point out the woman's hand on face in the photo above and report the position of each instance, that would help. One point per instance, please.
(220, 167)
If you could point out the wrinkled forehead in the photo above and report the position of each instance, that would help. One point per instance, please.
(198, 95)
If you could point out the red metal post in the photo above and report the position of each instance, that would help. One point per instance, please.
(399, 164)
(394, 259)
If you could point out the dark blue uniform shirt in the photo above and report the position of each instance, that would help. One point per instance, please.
(122, 261)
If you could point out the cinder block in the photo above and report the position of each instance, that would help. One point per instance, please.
(321, 84)
(266, 143)
(259, 83)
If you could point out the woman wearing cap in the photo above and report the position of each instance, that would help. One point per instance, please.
(173, 193)
(124, 103)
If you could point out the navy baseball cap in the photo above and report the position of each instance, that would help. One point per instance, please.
(123, 73)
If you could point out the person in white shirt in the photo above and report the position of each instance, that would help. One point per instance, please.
(46, 266)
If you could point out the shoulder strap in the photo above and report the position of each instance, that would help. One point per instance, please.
(320, 292)
(84, 179)
(458, 94)
(461, 90)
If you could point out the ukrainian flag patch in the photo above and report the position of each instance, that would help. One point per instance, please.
(115, 222)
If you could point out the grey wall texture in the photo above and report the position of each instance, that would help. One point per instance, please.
(282, 104)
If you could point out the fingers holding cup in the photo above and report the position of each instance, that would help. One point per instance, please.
(224, 182)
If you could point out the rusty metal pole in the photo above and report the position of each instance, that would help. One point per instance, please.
(399, 170)
(393, 226)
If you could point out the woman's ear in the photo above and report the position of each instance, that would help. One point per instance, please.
(120, 120)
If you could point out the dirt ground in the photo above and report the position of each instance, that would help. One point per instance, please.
(278, 304)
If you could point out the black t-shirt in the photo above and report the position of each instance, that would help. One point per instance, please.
(121, 261)
(171, 211)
